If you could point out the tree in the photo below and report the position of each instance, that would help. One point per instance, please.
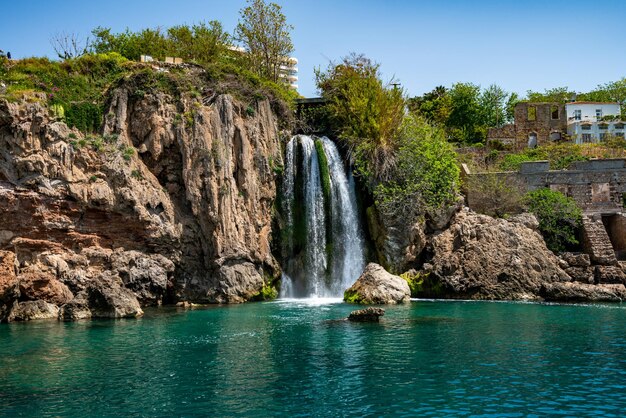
(69, 45)
(365, 113)
(265, 34)
(463, 122)
(434, 106)
(559, 218)
(557, 94)
(425, 176)
(492, 106)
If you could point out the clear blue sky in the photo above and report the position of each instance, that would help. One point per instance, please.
(520, 44)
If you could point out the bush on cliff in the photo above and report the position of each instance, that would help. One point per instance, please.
(425, 176)
(559, 218)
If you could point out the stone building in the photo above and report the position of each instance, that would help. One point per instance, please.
(535, 124)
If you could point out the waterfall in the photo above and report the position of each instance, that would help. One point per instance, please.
(323, 245)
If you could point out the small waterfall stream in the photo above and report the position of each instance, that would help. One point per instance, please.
(323, 245)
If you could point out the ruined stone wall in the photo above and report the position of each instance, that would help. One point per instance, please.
(596, 185)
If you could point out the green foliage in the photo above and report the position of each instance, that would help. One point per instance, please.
(415, 281)
(557, 94)
(365, 113)
(559, 218)
(267, 292)
(351, 296)
(560, 156)
(426, 175)
(324, 170)
(495, 195)
(202, 43)
(465, 111)
(84, 116)
(76, 85)
(128, 152)
(265, 34)
(136, 174)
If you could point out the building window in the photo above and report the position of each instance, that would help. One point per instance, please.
(603, 137)
(586, 137)
(619, 126)
(619, 135)
(603, 126)
(554, 111)
(578, 114)
(585, 127)
(532, 113)
(598, 114)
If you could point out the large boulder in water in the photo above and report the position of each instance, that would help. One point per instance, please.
(377, 286)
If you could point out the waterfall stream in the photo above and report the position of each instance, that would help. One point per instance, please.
(323, 245)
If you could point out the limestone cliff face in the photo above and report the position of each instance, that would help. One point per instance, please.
(173, 202)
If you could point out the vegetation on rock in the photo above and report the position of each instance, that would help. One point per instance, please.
(559, 218)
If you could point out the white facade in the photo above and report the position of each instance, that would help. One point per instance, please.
(593, 121)
(289, 72)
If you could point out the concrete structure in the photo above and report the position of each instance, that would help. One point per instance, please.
(535, 124)
(593, 121)
(288, 72)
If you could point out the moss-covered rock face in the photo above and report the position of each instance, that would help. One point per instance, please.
(377, 286)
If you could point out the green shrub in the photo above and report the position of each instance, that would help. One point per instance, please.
(559, 217)
(351, 296)
(128, 153)
(425, 176)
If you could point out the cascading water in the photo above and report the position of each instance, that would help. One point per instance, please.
(323, 246)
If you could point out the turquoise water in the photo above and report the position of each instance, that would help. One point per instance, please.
(291, 359)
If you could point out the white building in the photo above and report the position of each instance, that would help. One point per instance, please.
(593, 121)
(289, 72)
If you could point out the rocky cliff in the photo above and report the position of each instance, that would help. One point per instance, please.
(480, 257)
(172, 202)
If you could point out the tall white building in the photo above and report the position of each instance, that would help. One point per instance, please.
(289, 72)
(593, 121)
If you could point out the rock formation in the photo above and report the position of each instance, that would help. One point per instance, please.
(479, 257)
(366, 315)
(172, 202)
(377, 286)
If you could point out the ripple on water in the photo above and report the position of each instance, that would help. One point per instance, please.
(294, 357)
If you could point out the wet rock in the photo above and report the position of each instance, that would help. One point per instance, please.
(148, 276)
(75, 310)
(377, 286)
(33, 309)
(370, 314)
(581, 292)
(43, 286)
(108, 298)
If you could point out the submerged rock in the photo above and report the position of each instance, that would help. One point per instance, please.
(366, 315)
(377, 286)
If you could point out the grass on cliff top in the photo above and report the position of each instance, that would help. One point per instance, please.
(76, 89)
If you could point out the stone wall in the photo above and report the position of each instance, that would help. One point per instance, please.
(597, 185)
(537, 119)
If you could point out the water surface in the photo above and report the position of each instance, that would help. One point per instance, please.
(292, 358)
